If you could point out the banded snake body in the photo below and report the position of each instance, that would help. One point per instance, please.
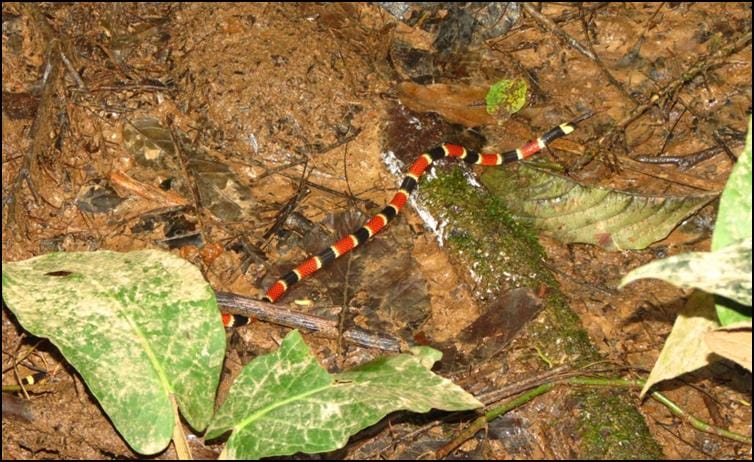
(378, 222)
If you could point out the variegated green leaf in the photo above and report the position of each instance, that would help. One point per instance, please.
(137, 326)
(726, 272)
(285, 402)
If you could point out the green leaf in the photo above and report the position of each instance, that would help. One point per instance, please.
(725, 272)
(285, 402)
(137, 326)
(571, 212)
(734, 222)
(508, 95)
(734, 217)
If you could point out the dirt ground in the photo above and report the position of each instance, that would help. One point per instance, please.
(282, 112)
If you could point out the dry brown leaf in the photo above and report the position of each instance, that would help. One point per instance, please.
(121, 181)
(415, 37)
(461, 104)
(732, 342)
(683, 350)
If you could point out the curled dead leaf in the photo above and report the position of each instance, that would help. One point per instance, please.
(461, 104)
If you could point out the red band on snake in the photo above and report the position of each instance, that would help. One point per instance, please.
(410, 181)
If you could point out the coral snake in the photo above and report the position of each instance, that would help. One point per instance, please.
(393, 208)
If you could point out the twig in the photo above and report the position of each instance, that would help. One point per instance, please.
(702, 65)
(634, 51)
(147, 191)
(336, 193)
(721, 143)
(130, 87)
(39, 134)
(343, 314)
(345, 168)
(526, 384)
(481, 422)
(570, 15)
(682, 162)
(282, 168)
(583, 284)
(672, 129)
(180, 442)
(72, 71)
(690, 181)
(598, 61)
(238, 304)
(324, 150)
(562, 35)
(565, 17)
(487, 399)
(289, 206)
(188, 174)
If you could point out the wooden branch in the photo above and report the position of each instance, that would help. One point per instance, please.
(245, 306)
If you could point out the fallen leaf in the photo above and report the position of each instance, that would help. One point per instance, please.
(684, 351)
(461, 104)
(732, 342)
(571, 212)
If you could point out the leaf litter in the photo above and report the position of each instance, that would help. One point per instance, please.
(263, 102)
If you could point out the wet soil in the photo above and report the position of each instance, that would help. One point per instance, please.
(280, 114)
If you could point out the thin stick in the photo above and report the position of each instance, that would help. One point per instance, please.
(682, 162)
(674, 408)
(147, 191)
(289, 206)
(39, 135)
(238, 304)
(598, 61)
(482, 421)
(701, 66)
(180, 442)
(487, 398)
(562, 35)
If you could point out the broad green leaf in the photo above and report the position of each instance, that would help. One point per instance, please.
(137, 326)
(506, 95)
(684, 350)
(734, 223)
(726, 272)
(734, 217)
(571, 212)
(285, 402)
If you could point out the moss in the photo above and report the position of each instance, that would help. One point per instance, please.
(484, 237)
(616, 432)
(561, 334)
(502, 254)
